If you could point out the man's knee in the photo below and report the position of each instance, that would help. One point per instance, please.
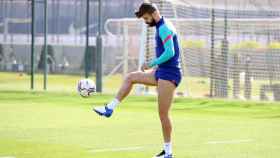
(131, 77)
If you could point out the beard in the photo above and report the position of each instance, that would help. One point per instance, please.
(152, 24)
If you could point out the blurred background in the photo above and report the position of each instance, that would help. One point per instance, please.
(229, 49)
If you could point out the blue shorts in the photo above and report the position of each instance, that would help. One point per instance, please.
(172, 75)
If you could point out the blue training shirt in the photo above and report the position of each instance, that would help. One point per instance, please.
(167, 46)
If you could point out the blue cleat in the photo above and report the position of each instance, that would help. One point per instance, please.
(162, 155)
(168, 156)
(103, 111)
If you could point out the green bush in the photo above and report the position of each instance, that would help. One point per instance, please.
(274, 45)
(192, 44)
(246, 45)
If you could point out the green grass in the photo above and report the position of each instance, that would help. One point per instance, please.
(62, 125)
(56, 82)
(196, 86)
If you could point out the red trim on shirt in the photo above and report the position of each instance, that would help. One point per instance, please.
(167, 38)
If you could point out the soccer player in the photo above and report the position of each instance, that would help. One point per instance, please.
(163, 72)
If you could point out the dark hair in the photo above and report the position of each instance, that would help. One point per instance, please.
(145, 7)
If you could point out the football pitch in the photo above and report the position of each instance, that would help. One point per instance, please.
(62, 125)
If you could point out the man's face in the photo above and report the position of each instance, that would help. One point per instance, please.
(149, 20)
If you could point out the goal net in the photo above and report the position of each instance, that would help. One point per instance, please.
(228, 50)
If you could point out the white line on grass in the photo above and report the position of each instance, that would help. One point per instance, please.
(7, 157)
(117, 149)
(230, 141)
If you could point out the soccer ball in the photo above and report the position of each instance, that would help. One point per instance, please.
(86, 87)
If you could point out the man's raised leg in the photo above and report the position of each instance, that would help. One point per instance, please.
(137, 77)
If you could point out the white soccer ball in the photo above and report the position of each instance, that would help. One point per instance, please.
(86, 87)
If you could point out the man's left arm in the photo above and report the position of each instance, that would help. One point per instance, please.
(166, 36)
